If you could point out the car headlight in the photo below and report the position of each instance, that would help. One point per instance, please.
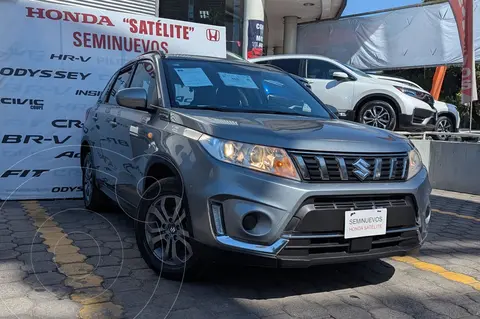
(266, 159)
(414, 163)
(413, 93)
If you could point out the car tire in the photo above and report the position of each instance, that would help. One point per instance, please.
(379, 114)
(444, 124)
(163, 232)
(93, 198)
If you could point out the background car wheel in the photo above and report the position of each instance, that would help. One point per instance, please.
(444, 124)
(378, 114)
(93, 198)
(163, 232)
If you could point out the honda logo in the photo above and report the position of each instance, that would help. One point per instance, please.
(213, 35)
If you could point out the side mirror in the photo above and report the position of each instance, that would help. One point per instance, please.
(333, 109)
(135, 98)
(340, 76)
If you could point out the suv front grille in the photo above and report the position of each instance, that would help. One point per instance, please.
(317, 230)
(326, 214)
(321, 203)
(339, 246)
(351, 168)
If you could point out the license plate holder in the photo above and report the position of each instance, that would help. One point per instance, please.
(365, 223)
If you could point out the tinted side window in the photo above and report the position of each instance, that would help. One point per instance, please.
(120, 83)
(145, 77)
(289, 65)
(104, 95)
(318, 69)
(262, 62)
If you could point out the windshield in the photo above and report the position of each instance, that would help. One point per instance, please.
(232, 87)
(357, 71)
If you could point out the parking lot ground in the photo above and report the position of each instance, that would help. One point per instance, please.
(58, 260)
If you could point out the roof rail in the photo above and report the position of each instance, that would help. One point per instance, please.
(162, 54)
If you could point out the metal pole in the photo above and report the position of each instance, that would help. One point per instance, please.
(471, 115)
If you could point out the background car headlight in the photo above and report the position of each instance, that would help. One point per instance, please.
(414, 163)
(266, 159)
(413, 93)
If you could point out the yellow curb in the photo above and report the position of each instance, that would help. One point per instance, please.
(49, 230)
(439, 270)
(476, 286)
(105, 310)
(76, 269)
(46, 223)
(32, 206)
(34, 211)
(61, 242)
(456, 215)
(69, 258)
(63, 250)
(430, 267)
(93, 295)
(406, 259)
(85, 281)
(53, 236)
(87, 287)
(464, 279)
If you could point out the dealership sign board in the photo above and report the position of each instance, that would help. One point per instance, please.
(54, 62)
(463, 12)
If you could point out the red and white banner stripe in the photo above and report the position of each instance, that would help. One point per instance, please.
(463, 12)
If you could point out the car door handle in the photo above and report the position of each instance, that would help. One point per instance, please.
(113, 123)
(95, 117)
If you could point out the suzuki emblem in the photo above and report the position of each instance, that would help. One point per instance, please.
(213, 35)
(361, 169)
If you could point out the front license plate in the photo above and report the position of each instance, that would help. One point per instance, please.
(365, 223)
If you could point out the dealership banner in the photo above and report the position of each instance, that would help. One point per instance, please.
(463, 12)
(255, 39)
(403, 38)
(55, 60)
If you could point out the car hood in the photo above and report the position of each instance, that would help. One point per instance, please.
(396, 82)
(292, 132)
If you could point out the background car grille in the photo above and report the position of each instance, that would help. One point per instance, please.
(419, 115)
(341, 168)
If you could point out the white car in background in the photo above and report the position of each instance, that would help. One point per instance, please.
(448, 116)
(359, 96)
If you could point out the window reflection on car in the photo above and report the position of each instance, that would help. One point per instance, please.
(232, 87)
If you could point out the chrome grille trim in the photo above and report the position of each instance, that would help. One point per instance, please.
(323, 168)
(338, 235)
(360, 204)
(377, 171)
(342, 167)
(393, 167)
(327, 167)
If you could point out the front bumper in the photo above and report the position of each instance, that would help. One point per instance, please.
(280, 205)
(420, 121)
